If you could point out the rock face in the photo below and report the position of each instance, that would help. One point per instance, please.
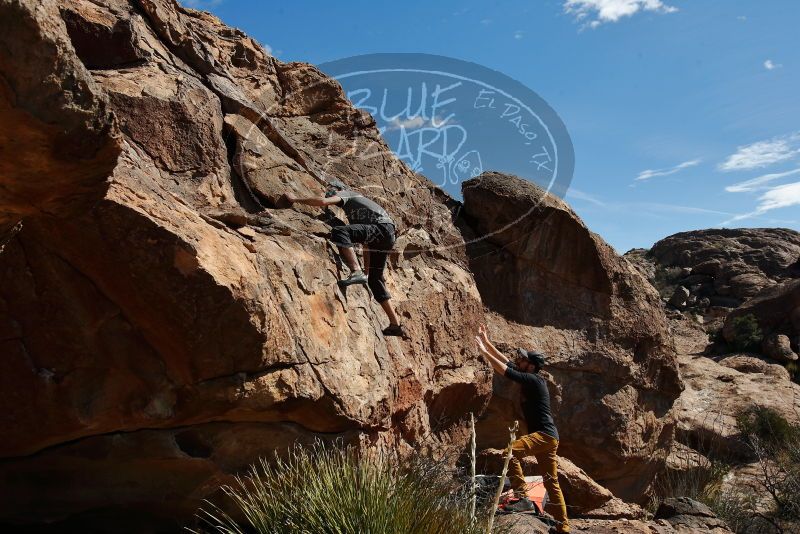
(163, 323)
(686, 514)
(716, 392)
(58, 143)
(779, 348)
(557, 287)
(777, 311)
(156, 337)
(730, 274)
(768, 253)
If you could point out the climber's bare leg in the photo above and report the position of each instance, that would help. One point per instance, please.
(349, 258)
(389, 309)
(356, 275)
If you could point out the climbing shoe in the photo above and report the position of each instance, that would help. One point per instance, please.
(394, 330)
(522, 505)
(356, 277)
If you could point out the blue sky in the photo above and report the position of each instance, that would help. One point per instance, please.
(683, 114)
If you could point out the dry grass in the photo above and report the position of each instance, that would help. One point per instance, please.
(337, 490)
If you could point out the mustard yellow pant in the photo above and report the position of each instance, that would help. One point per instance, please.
(544, 448)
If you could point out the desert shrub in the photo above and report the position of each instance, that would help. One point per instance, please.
(747, 335)
(697, 477)
(715, 334)
(794, 371)
(776, 445)
(324, 489)
(695, 482)
(737, 509)
(780, 476)
(665, 280)
(765, 426)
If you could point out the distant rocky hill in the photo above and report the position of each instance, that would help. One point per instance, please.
(711, 273)
(721, 267)
(164, 322)
(733, 300)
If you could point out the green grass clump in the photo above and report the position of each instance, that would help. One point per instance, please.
(337, 490)
(747, 335)
(700, 483)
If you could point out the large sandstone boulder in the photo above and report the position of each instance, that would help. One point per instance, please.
(685, 461)
(685, 514)
(557, 287)
(157, 338)
(777, 311)
(58, 141)
(750, 364)
(680, 298)
(778, 347)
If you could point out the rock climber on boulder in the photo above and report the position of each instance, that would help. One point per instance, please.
(370, 225)
(542, 440)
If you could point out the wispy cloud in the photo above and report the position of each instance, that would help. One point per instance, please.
(652, 173)
(759, 183)
(772, 196)
(519, 34)
(763, 153)
(577, 194)
(596, 12)
(675, 208)
(741, 17)
(486, 22)
(643, 207)
(782, 196)
(770, 65)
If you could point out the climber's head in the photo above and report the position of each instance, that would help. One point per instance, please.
(334, 186)
(529, 361)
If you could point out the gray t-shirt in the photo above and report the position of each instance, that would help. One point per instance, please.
(361, 210)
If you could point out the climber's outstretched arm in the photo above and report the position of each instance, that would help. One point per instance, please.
(498, 365)
(484, 336)
(313, 201)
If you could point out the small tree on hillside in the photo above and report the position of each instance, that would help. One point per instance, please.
(747, 335)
